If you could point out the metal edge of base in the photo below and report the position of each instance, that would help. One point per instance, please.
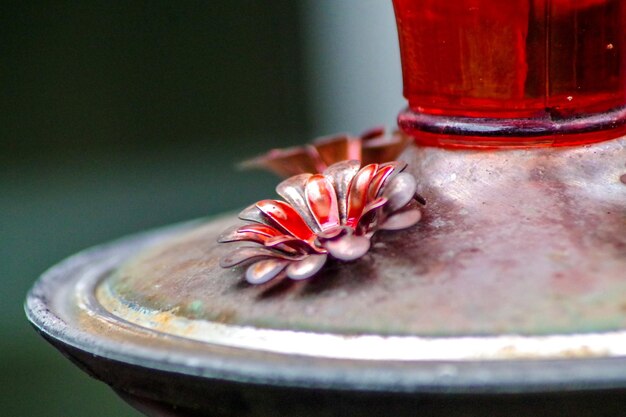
(235, 365)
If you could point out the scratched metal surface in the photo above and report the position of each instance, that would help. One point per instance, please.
(526, 242)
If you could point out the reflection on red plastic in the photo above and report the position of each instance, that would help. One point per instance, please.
(513, 59)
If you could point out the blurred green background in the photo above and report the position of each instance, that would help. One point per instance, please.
(122, 116)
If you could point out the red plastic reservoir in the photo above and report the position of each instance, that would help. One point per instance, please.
(513, 72)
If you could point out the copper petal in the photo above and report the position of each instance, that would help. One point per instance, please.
(348, 247)
(337, 148)
(384, 148)
(402, 219)
(340, 175)
(307, 267)
(357, 193)
(286, 217)
(285, 162)
(321, 199)
(292, 190)
(263, 271)
(399, 191)
(249, 253)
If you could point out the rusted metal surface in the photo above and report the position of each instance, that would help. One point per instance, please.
(520, 259)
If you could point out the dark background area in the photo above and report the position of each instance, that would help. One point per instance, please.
(118, 117)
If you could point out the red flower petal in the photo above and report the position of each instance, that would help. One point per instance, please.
(402, 219)
(400, 191)
(357, 193)
(292, 190)
(322, 201)
(307, 267)
(287, 218)
(338, 148)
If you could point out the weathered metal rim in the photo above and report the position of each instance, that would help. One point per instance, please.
(357, 347)
(128, 343)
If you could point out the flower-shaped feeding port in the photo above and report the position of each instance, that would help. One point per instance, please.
(372, 146)
(329, 215)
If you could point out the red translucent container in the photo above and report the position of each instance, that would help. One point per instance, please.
(513, 72)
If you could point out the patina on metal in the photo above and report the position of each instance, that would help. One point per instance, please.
(508, 298)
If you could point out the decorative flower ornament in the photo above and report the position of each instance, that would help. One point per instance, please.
(372, 146)
(334, 214)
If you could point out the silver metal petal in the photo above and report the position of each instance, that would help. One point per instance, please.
(399, 190)
(340, 175)
(348, 247)
(263, 271)
(369, 212)
(286, 162)
(307, 267)
(291, 243)
(292, 190)
(402, 219)
(253, 214)
(250, 253)
(254, 232)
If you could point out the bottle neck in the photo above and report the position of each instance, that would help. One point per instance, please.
(520, 72)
